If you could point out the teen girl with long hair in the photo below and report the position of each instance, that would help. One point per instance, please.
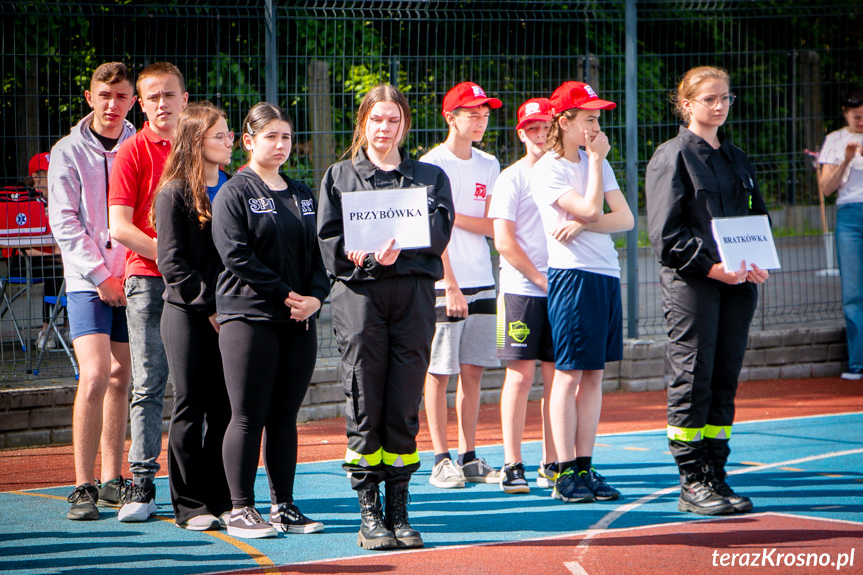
(189, 263)
(383, 316)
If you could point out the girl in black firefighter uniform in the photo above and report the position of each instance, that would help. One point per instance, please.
(383, 316)
(697, 176)
(273, 284)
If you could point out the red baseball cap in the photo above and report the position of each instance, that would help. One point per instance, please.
(468, 95)
(38, 162)
(534, 110)
(577, 95)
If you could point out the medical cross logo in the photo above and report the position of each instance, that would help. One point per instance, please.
(21, 218)
(307, 207)
(479, 192)
(262, 205)
(518, 331)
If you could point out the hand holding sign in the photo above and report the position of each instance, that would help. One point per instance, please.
(373, 219)
(746, 239)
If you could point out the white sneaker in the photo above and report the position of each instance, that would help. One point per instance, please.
(204, 522)
(138, 502)
(247, 523)
(478, 471)
(446, 475)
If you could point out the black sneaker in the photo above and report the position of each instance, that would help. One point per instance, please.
(597, 484)
(512, 478)
(138, 501)
(288, 519)
(111, 492)
(570, 488)
(247, 523)
(83, 501)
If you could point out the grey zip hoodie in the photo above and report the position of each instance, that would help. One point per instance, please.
(78, 176)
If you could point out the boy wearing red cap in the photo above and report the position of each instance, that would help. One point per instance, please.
(571, 185)
(465, 299)
(523, 329)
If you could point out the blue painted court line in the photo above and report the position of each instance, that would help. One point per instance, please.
(38, 539)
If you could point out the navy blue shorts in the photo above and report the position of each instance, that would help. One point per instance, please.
(88, 315)
(586, 317)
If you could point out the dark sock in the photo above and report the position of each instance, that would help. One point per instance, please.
(438, 457)
(564, 465)
(466, 457)
(583, 463)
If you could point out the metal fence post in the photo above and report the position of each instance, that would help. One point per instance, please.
(631, 98)
(272, 71)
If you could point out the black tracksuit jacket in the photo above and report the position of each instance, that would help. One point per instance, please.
(268, 244)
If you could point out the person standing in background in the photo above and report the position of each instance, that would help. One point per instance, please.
(841, 160)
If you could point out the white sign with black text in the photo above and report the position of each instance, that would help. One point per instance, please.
(745, 238)
(371, 218)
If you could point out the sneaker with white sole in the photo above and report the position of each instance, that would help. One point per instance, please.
(287, 518)
(205, 522)
(853, 374)
(247, 523)
(478, 471)
(547, 475)
(138, 501)
(446, 475)
(512, 478)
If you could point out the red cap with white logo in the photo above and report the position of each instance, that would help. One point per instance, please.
(534, 110)
(468, 95)
(38, 162)
(577, 95)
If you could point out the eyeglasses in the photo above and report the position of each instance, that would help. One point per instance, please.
(713, 101)
(222, 136)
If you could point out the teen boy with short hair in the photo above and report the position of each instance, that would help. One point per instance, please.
(464, 333)
(162, 95)
(523, 329)
(93, 264)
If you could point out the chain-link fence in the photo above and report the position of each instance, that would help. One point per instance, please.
(791, 63)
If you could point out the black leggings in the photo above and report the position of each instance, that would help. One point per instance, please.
(268, 367)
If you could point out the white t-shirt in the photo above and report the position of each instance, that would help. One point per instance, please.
(589, 251)
(833, 152)
(471, 182)
(512, 201)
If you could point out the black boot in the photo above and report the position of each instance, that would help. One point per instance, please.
(397, 516)
(716, 477)
(696, 494)
(373, 534)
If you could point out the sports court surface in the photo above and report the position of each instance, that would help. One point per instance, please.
(798, 452)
